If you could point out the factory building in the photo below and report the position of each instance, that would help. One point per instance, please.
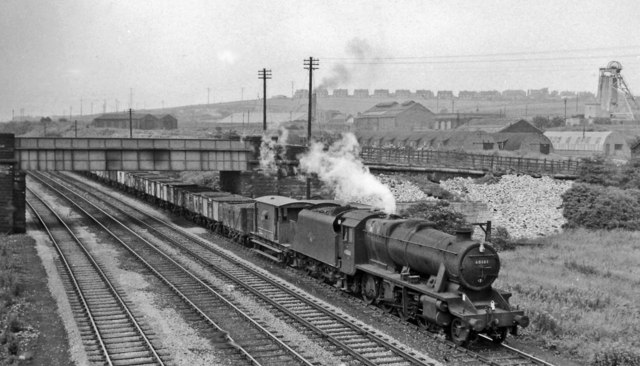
(393, 116)
(589, 143)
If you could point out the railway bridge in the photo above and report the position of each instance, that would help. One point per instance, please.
(20, 154)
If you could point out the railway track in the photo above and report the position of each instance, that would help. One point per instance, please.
(294, 303)
(110, 331)
(350, 340)
(247, 341)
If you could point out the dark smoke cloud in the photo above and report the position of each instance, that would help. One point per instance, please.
(357, 50)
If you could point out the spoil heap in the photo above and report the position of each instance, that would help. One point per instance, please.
(403, 190)
(527, 207)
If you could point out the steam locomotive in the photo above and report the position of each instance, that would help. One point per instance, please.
(404, 266)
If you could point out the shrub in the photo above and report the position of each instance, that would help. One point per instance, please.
(630, 177)
(616, 354)
(596, 207)
(12, 346)
(596, 170)
(501, 239)
(438, 212)
(13, 324)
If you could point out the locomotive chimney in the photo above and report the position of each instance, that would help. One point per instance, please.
(464, 233)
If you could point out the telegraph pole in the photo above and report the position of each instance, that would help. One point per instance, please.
(264, 74)
(76, 128)
(310, 64)
(130, 123)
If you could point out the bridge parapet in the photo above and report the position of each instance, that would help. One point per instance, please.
(42, 153)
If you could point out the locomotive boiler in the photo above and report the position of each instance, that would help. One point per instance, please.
(438, 279)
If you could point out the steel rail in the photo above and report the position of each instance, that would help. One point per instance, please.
(274, 338)
(204, 244)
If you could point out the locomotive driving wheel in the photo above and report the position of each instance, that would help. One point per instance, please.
(370, 289)
(459, 332)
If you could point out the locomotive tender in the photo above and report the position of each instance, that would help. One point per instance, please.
(404, 266)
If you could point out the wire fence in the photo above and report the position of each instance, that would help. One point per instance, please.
(462, 160)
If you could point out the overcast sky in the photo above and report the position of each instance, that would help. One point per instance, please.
(53, 53)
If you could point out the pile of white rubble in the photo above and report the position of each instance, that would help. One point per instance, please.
(403, 190)
(527, 207)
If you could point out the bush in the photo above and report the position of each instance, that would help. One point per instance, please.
(616, 355)
(596, 170)
(438, 212)
(501, 239)
(596, 207)
(630, 177)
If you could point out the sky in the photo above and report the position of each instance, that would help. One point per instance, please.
(62, 56)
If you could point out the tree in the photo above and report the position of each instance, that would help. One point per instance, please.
(557, 122)
(540, 122)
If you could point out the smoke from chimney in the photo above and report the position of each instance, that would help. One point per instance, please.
(339, 167)
(270, 150)
(358, 50)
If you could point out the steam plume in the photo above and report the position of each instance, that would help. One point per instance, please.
(359, 50)
(270, 150)
(340, 167)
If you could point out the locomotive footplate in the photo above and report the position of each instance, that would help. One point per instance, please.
(269, 250)
(398, 280)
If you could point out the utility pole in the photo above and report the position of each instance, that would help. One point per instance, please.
(208, 91)
(130, 123)
(130, 98)
(241, 94)
(264, 74)
(76, 128)
(310, 65)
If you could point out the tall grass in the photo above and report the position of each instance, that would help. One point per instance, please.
(10, 290)
(582, 293)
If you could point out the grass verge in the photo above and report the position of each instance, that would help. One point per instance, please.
(581, 290)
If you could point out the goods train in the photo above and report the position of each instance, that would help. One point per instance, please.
(404, 266)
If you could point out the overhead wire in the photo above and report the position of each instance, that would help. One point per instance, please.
(597, 49)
